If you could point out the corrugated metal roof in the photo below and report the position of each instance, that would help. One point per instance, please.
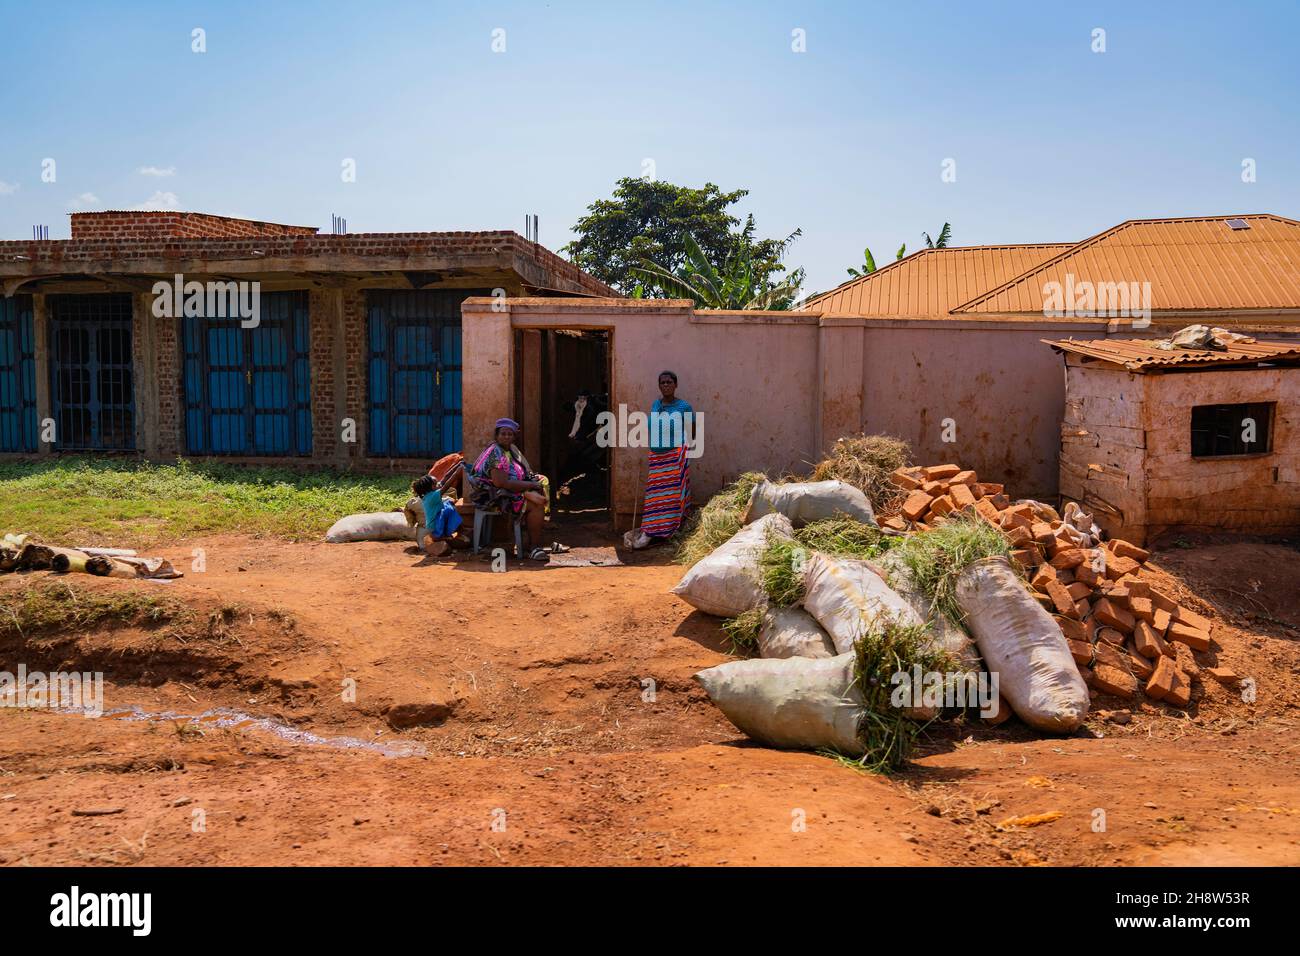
(1138, 355)
(932, 281)
(1192, 264)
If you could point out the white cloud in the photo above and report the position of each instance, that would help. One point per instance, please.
(156, 171)
(160, 201)
(82, 201)
(7, 189)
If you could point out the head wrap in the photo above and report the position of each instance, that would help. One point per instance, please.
(509, 423)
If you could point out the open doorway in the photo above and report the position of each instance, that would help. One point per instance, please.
(562, 383)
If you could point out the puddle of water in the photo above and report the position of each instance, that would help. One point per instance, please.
(225, 718)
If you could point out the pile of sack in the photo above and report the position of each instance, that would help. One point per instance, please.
(1124, 634)
(801, 691)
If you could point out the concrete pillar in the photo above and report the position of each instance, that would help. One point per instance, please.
(144, 360)
(488, 372)
(841, 350)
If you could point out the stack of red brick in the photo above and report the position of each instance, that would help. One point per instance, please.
(1124, 634)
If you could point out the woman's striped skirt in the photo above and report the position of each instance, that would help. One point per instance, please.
(667, 492)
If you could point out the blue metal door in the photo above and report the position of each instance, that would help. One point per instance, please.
(17, 375)
(248, 390)
(415, 372)
(92, 385)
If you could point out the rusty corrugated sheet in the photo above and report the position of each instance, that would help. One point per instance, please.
(1191, 264)
(933, 281)
(1137, 355)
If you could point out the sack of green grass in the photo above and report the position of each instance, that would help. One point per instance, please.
(792, 632)
(804, 502)
(1023, 646)
(794, 703)
(847, 595)
(726, 583)
(947, 637)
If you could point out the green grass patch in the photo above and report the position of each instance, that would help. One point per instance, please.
(719, 519)
(936, 558)
(109, 502)
(56, 606)
(885, 648)
(844, 537)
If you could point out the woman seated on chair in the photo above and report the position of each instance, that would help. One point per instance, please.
(503, 481)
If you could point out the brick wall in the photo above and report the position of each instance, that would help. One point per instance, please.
(105, 246)
(128, 225)
(326, 365)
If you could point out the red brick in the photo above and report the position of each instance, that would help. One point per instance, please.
(1061, 599)
(1081, 651)
(1072, 629)
(966, 477)
(1124, 549)
(1147, 641)
(1141, 608)
(1162, 681)
(1108, 635)
(940, 472)
(961, 496)
(1186, 634)
(1069, 558)
(1180, 692)
(903, 479)
(916, 505)
(1113, 616)
(1113, 680)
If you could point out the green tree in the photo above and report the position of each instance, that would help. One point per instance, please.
(944, 235)
(733, 286)
(648, 221)
(869, 262)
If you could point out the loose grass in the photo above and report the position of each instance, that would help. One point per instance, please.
(844, 537)
(743, 630)
(886, 648)
(719, 519)
(109, 502)
(780, 568)
(936, 558)
(866, 462)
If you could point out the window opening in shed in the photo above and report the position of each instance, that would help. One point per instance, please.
(1221, 431)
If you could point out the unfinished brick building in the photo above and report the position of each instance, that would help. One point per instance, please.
(354, 357)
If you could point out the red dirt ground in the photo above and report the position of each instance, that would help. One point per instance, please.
(551, 749)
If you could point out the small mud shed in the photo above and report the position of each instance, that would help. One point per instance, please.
(1155, 438)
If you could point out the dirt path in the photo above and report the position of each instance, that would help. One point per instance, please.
(559, 724)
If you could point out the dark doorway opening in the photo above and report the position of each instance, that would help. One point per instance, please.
(562, 382)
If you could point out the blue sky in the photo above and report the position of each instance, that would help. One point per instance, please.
(1051, 141)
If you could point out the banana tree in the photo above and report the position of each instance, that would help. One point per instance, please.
(733, 286)
(869, 262)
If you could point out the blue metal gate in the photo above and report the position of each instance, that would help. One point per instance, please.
(17, 375)
(415, 372)
(92, 386)
(248, 391)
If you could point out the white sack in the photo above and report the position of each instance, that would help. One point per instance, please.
(1023, 646)
(791, 703)
(807, 501)
(845, 596)
(726, 583)
(946, 636)
(377, 526)
(792, 632)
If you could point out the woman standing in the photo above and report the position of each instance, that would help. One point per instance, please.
(668, 485)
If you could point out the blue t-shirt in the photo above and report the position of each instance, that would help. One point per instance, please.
(669, 424)
(440, 517)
